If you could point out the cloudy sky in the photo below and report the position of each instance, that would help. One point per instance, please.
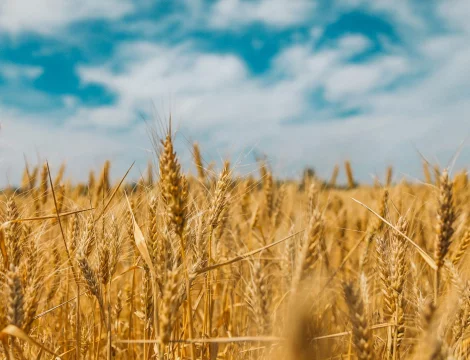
(308, 83)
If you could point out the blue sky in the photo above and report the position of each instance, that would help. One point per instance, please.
(308, 83)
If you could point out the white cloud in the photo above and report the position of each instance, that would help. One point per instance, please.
(353, 44)
(50, 16)
(155, 73)
(359, 79)
(214, 89)
(316, 32)
(278, 13)
(70, 101)
(18, 72)
(455, 14)
(297, 61)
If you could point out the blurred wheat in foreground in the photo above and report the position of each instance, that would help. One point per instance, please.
(216, 266)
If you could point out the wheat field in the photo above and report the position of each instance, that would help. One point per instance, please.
(206, 264)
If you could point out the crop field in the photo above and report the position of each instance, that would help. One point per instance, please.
(202, 263)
